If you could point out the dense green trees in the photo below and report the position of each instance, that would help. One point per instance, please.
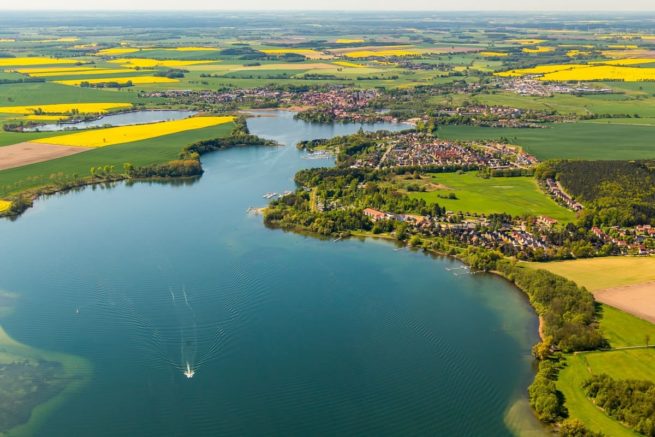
(567, 311)
(616, 193)
(629, 401)
(545, 399)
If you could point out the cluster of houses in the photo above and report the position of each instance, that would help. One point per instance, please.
(639, 240)
(338, 98)
(342, 102)
(248, 95)
(471, 230)
(533, 87)
(555, 190)
(414, 219)
(417, 149)
(496, 116)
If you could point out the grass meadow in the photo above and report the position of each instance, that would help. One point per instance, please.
(595, 141)
(606, 272)
(622, 330)
(515, 195)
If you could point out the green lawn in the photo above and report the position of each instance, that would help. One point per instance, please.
(515, 196)
(139, 153)
(579, 407)
(569, 140)
(621, 329)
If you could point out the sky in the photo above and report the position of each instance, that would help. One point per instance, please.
(370, 5)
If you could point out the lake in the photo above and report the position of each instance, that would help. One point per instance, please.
(122, 119)
(287, 335)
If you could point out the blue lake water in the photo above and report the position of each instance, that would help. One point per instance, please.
(287, 335)
(122, 119)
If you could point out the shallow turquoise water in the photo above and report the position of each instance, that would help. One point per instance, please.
(288, 335)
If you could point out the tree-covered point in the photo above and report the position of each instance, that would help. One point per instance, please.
(240, 136)
(616, 193)
(332, 199)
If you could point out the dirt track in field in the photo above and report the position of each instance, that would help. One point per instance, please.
(638, 299)
(18, 155)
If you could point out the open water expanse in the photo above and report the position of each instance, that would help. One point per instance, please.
(121, 119)
(287, 335)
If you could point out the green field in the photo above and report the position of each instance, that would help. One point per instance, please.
(606, 272)
(512, 195)
(140, 153)
(615, 104)
(569, 140)
(621, 329)
(44, 93)
(9, 138)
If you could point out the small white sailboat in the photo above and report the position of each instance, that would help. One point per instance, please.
(189, 372)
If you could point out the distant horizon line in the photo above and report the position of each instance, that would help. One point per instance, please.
(568, 11)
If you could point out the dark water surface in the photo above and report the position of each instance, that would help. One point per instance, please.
(287, 335)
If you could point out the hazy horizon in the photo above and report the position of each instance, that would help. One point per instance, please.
(588, 6)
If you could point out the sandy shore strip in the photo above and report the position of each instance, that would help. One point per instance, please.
(18, 155)
(638, 299)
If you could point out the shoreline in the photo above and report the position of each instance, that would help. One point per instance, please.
(362, 235)
(77, 369)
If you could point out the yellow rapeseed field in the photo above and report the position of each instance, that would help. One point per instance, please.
(584, 72)
(308, 53)
(49, 69)
(127, 134)
(538, 49)
(7, 40)
(348, 64)
(87, 72)
(65, 39)
(539, 69)
(493, 54)
(36, 60)
(576, 46)
(62, 108)
(381, 53)
(627, 61)
(348, 41)
(149, 63)
(4, 205)
(117, 51)
(602, 72)
(623, 46)
(577, 53)
(526, 42)
(136, 80)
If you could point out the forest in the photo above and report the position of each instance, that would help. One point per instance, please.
(631, 402)
(615, 193)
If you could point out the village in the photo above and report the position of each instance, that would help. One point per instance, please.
(496, 116)
(337, 102)
(412, 149)
(515, 235)
(532, 87)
